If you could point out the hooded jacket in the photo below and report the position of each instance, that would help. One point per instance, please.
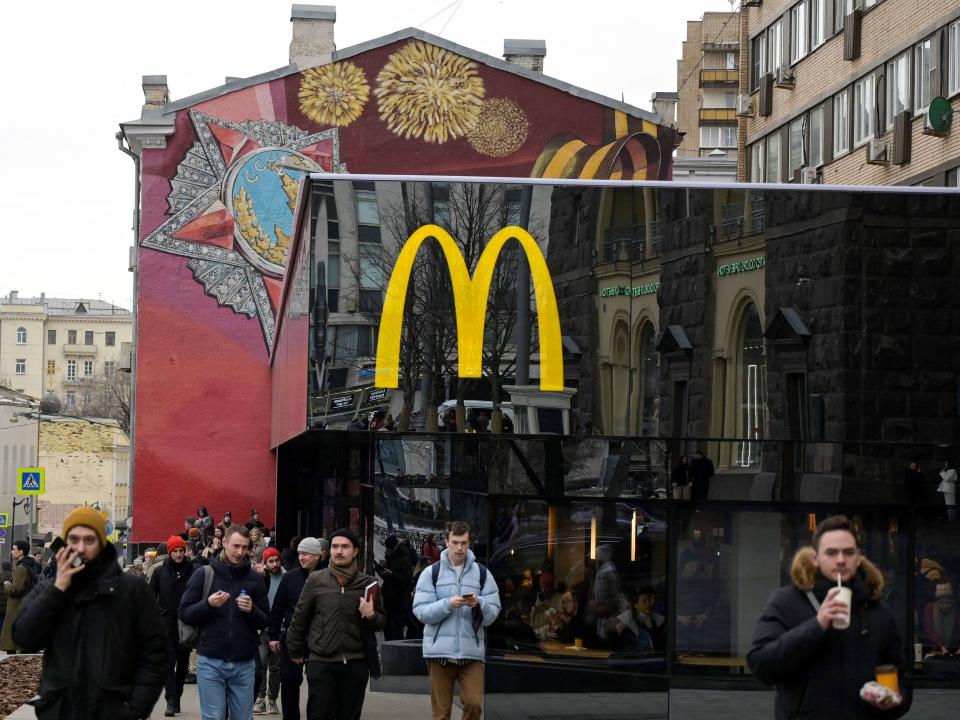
(25, 576)
(448, 632)
(168, 585)
(818, 674)
(226, 632)
(104, 647)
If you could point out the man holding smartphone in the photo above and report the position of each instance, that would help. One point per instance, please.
(103, 640)
(230, 620)
(456, 599)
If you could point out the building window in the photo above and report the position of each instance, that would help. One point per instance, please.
(21, 336)
(758, 60)
(775, 46)
(953, 58)
(798, 32)
(730, 61)
(368, 214)
(511, 206)
(718, 136)
(841, 123)
(441, 205)
(21, 366)
(815, 156)
(71, 370)
(773, 158)
(953, 178)
(818, 23)
(925, 66)
(51, 367)
(756, 162)
(71, 337)
(88, 368)
(51, 337)
(898, 87)
(648, 423)
(109, 368)
(796, 145)
(350, 342)
(863, 110)
(88, 337)
(333, 277)
(751, 388)
(110, 339)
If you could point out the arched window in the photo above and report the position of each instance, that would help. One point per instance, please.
(751, 388)
(620, 380)
(21, 336)
(648, 420)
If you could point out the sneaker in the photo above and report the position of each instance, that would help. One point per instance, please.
(260, 707)
(272, 708)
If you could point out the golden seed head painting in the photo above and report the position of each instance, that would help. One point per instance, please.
(501, 128)
(334, 94)
(427, 92)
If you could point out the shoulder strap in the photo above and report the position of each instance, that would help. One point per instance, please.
(435, 573)
(483, 576)
(207, 580)
(813, 601)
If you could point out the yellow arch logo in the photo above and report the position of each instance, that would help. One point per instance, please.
(470, 295)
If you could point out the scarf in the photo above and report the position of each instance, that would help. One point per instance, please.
(344, 575)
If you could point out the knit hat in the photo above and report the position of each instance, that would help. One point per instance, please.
(348, 534)
(271, 552)
(193, 533)
(309, 545)
(174, 542)
(944, 590)
(87, 517)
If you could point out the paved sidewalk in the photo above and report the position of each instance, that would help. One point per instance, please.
(683, 705)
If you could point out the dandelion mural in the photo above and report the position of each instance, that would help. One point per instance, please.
(501, 128)
(334, 94)
(429, 93)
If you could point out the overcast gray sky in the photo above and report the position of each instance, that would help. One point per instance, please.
(71, 73)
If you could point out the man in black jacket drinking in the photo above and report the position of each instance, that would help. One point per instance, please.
(229, 620)
(817, 648)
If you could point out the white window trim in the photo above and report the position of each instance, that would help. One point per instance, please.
(20, 366)
(953, 58)
(822, 15)
(815, 162)
(858, 107)
(799, 41)
(839, 150)
(918, 108)
(889, 79)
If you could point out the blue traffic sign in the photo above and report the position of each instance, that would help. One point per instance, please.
(30, 481)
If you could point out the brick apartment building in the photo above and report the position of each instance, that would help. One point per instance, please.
(840, 91)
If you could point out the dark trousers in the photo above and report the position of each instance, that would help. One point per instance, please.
(291, 678)
(396, 621)
(268, 670)
(176, 671)
(336, 690)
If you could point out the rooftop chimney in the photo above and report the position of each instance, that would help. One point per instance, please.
(527, 54)
(155, 92)
(665, 105)
(14, 294)
(312, 43)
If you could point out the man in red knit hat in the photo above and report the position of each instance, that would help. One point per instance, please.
(267, 685)
(168, 584)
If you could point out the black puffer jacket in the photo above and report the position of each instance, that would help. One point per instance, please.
(819, 673)
(104, 647)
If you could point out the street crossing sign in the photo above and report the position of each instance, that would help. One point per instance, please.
(30, 481)
(4, 521)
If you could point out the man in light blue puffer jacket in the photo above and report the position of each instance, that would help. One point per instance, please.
(455, 605)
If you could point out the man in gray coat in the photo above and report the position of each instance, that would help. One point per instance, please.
(456, 599)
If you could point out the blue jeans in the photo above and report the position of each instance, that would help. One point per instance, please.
(224, 684)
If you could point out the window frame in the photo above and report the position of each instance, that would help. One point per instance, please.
(775, 51)
(88, 368)
(818, 10)
(841, 123)
(796, 128)
(773, 139)
(21, 335)
(919, 107)
(758, 159)
(818, 161)
(110, 338)
(953, 58)
(864, 113)
(20, 366)
(891, 85)
(88, 337)
(71, 370)
(51, 336)
(799, 31)
(758, 60)
(71, 337)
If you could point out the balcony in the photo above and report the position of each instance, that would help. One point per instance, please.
(79, 380)
(718, 116)
(719, 78)
(80, 350)
(739, 220)
(628, 243)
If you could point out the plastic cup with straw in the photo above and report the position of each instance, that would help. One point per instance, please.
(845, 595)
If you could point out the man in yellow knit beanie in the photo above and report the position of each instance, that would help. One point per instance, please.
(103, 642)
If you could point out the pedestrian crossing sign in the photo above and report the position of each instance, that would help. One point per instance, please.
(4, 519)
(30, 481)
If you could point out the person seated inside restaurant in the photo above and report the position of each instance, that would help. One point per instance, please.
(566, 624)
(941, 622)
(547, 599)
(647, 618)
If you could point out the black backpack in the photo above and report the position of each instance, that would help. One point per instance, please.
(435, 574)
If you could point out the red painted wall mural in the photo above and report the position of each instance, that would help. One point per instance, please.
(217, 212)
